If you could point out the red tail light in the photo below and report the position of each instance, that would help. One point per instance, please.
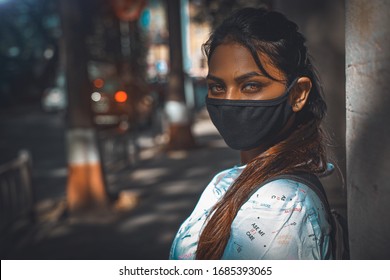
(120, 96)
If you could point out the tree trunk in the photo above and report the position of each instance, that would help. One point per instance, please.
(180, 134)
(368, 129)
(85, 187)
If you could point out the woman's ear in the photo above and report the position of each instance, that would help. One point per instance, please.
(300, 93)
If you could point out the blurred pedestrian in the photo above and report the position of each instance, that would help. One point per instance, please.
(265, 99)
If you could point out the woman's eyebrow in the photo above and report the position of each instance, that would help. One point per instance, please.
(238, 79)
(214, 78)
(246, 76)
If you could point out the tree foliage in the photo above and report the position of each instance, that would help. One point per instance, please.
(29, 32)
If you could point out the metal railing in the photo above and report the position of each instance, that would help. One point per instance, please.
(16, 196)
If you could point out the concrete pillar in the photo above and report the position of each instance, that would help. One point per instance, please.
(368, 127)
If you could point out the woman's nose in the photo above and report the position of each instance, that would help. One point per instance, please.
(232, 94)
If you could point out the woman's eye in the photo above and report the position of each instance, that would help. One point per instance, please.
(251, 87)
(216, 88)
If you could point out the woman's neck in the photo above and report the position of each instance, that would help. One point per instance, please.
(247, 156)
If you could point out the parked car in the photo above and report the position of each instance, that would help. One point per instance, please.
(111, 103)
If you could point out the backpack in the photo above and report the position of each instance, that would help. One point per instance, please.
(339, 233)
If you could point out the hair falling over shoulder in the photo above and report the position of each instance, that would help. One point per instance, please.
(302, 150)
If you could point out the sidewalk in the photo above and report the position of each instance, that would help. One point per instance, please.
(166, 186)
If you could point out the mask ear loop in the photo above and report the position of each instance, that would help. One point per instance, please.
(292, 84)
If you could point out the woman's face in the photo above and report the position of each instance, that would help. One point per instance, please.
(233, 74)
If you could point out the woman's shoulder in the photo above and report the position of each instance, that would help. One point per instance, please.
(216, 188)
(229, 171)
(284, 192)
(223, 179)
(281, 187)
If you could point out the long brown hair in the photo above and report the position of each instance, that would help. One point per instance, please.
(302, 150)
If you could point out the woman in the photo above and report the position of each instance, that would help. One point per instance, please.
(265, 100)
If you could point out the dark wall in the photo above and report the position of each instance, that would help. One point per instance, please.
(322, 22)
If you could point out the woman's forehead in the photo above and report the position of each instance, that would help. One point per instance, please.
(236, 58)
(231, 54)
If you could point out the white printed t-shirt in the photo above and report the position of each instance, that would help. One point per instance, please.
(284, 219)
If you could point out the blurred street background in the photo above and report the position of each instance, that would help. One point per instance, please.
(105, 144)
(163, 187)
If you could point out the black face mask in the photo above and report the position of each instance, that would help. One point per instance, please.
(245, 124)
